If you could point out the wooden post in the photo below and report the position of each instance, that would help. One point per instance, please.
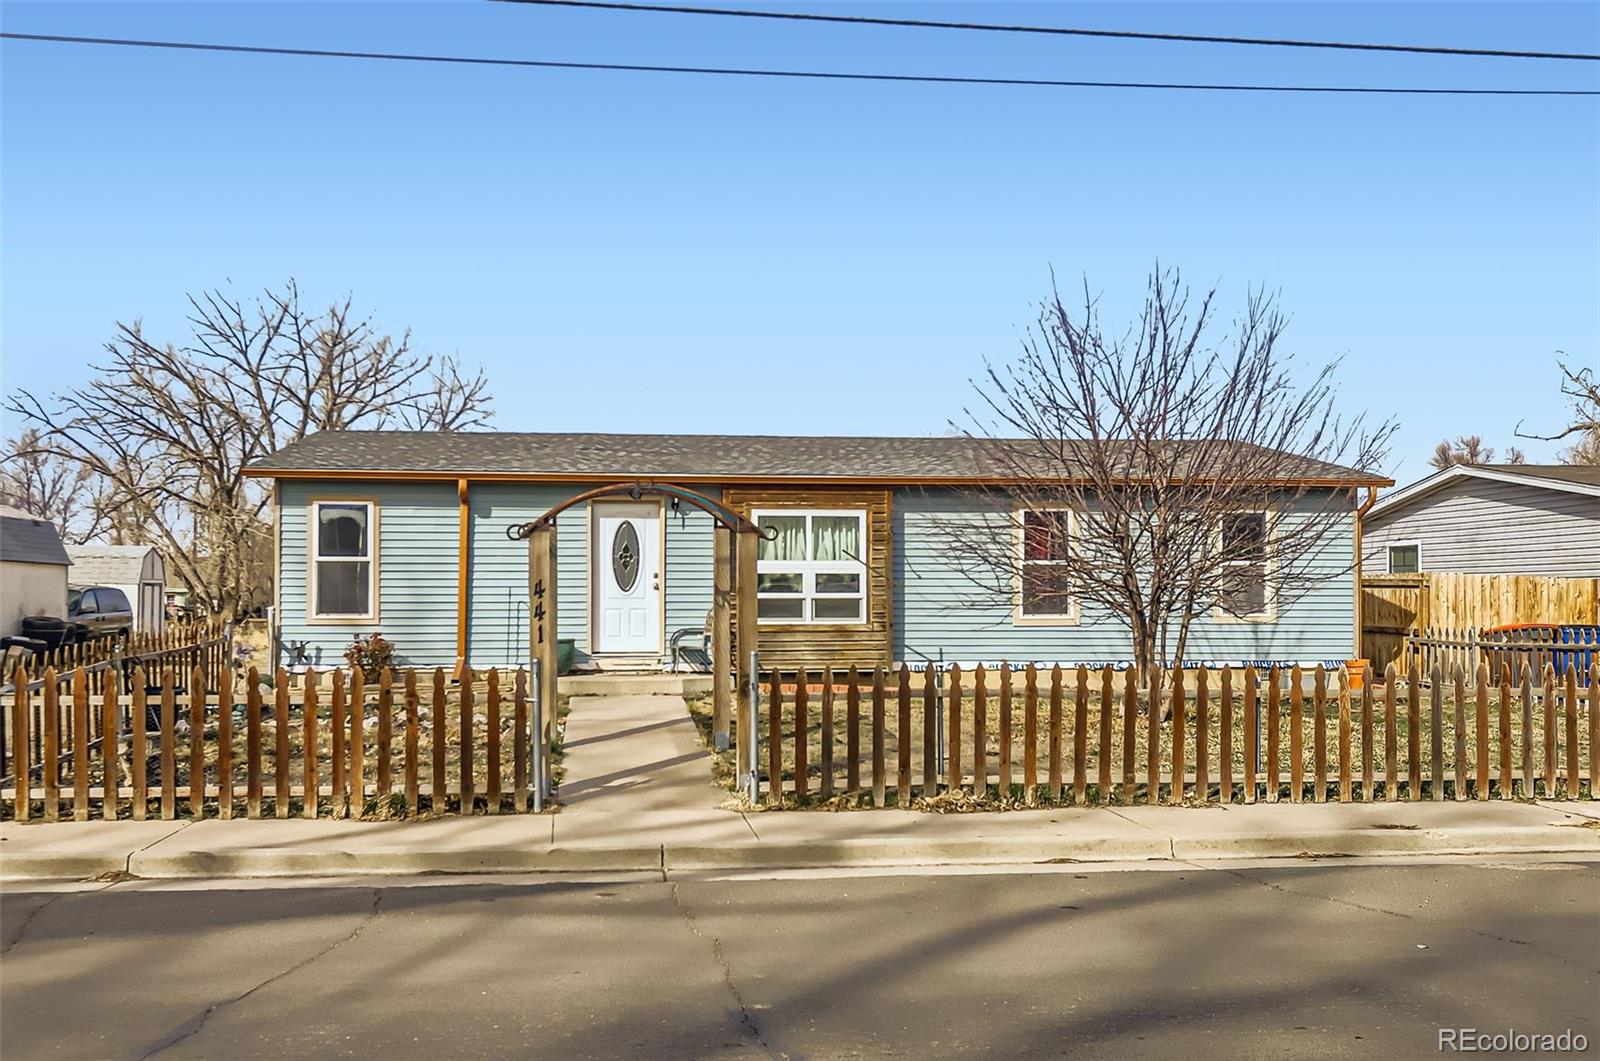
(280, 737)
(746, 543)
(1297, 751)
(722, 637)
(952, 732)
(1054, 753)
(252, 746)
(903, 740)
(138, 753)
(930, 734)
(1005, 730)
(1030, 736)
(1344, 736)
(50, 766)
(543, 636)
(491, 740)
(309, 796)
(1252, 735)
(826, 737)
(413, 741)
(879, 779)
(385, 773)
(802, 719)
(1272, 735)
(80, 742)
(852, 734)
(110, 753)
(21, 768)
(169, 745)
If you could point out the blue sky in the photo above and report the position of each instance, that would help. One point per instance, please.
(645, 252)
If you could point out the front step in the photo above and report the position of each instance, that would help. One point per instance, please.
(634, 684)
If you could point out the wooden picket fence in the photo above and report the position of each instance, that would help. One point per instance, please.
(1536, 647)
(183, 743)
(179, 645)
(1031, 736)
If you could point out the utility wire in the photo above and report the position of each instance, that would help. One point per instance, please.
(822, 75)
(1063, 31)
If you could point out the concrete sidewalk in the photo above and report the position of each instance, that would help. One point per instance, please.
(638, 796)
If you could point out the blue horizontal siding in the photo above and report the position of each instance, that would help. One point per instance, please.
(417, 543)
(497, 594)
(939, 609)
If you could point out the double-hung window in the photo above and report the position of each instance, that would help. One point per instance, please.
(811, 566)
(1246, 540)
(343, 554)
(1045, 590)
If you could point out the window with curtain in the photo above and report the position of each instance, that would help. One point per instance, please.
(1046, 592)
(1244, 564)
(341, 559)
(814, 569)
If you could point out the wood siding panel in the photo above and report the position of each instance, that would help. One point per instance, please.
(865, 644)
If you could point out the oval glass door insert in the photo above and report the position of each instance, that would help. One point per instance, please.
(625, 555)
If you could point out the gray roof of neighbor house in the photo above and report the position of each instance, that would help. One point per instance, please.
(1567, 478)
(734, 458)
(26, 540)
(111, 565)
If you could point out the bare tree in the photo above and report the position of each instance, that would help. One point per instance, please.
(1153, 478)
(1469, 449)
(170, 428)
(1581, 388)
(45, 485)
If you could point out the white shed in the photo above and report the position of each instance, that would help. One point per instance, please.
(137, 570)
(33, 570)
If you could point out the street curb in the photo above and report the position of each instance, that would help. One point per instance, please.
(892, 852)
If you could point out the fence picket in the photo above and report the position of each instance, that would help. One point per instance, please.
(1344, 735)
(952, 732)
(1414, 730)
(1505, 731)
(980, 736)
(1273, 740)
(1572, 731)
(310, 796)
(903, 739)
(467, 767)
(50, 760)
(1436, 720)
(930, 734)
(491, 741)
(1482, 735)
(1130, 729)
(252, 745)
(1054, 754)
(1080, 740)
(110, 754)
(802, 720)
(138, 753)
(827, 733)
(1319, 738)
(385, 749)
(1458, 679)
(80, 742)
(852, 734)
(1297, 763)
(224, 741)
(1225, 714)
(519, 742)
(1367, 755)
(356, 709)
(880, 779)
(1202, 737)
(169, 746)
(1005, 730)
(1594, 726)
(1527, 731)
(1178, 735)
(775, 742)
(336, 750)
(1153, 740)
(1550, 698)
(413, 743)
(1030, 736)
(280, 737)
(1391, 735)
(1252, 735)
(21, 768)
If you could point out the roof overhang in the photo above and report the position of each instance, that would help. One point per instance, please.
(1444, 477)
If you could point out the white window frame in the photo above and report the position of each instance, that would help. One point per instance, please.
(1269, 614)
(1074, 612)
(1388, 555)
(809, 570)
(314, 558)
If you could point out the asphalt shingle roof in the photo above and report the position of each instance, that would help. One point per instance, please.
(25, 540)
(616, 456)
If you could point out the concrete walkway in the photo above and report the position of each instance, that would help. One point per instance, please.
(638, 796)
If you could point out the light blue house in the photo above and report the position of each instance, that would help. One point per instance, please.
(405, 534)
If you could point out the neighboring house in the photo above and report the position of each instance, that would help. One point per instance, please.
(404, 533)
(137, 570)
(33, 570)
(1490, 519)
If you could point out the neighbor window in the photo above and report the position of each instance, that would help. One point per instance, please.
(342, 556)
(1405, 559)
(1244, 563)
(814, 569)
(1045, 591)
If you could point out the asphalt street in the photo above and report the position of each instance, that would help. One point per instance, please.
(1327, 959)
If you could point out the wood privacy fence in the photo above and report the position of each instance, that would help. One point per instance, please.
(1535, 647)
(179, 744)
(1097, 736)
(1397, 607)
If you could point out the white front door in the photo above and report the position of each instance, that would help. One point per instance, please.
(626, 577)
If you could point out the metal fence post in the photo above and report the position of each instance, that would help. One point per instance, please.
(753, 726)
(538, 744)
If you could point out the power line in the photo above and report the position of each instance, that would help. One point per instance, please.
(821, 75)
(1063, 31)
